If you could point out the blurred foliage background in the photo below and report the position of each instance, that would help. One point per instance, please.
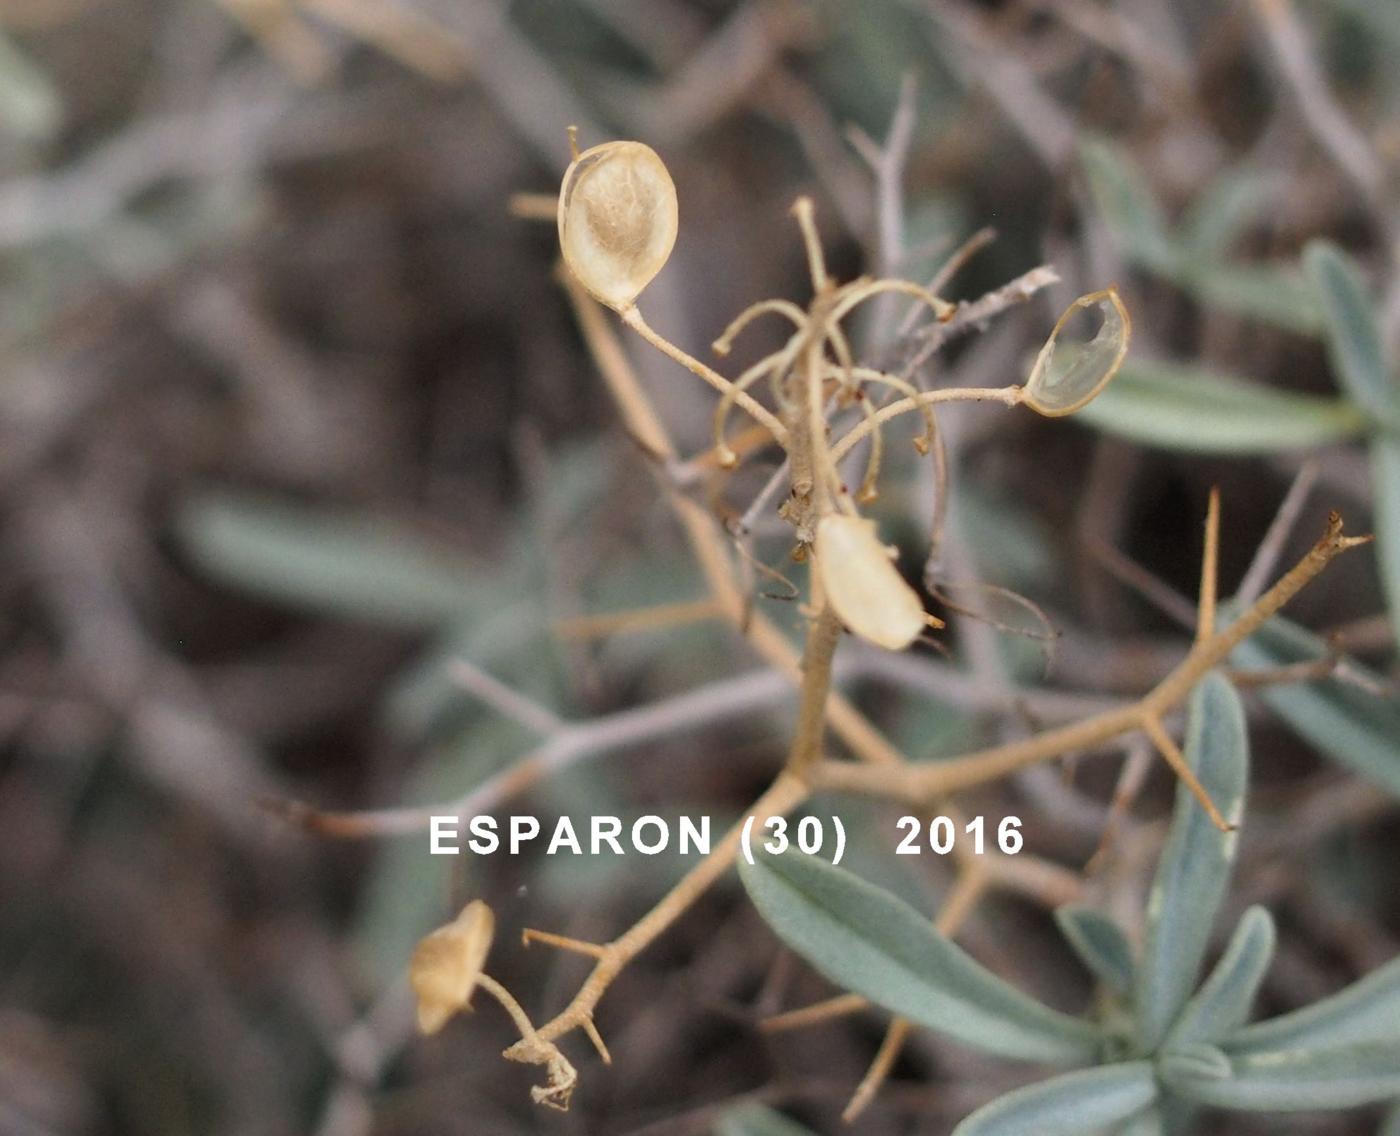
(293, 414)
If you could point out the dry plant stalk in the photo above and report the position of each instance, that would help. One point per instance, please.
(617, 219)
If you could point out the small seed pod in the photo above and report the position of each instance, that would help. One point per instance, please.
(447, 963)
(617, 220)
(1068, 375)
(862, 584)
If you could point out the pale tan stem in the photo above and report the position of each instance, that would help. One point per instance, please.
(1167, 747)
(823, 634)
(561, 942)
(1008, 396)
(1210, 570)
(638, 619)
(785, 794)
(839, 1006)
(926, 782)
(633, 319)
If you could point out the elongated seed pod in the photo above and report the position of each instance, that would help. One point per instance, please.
(862, 584)
(617, 219)
(447, 963)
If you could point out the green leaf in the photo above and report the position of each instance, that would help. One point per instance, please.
(757, 1120)
(1149, 1122)
(1193, 1061)
(1223, 1002)
(1126, 202)
(1353, 339)
(1100, 945)
(30, 105)
(1385, 480)
(868, 941)
(1301, 1080)
(1199, 411)
(1069, 1105)
(345, 565)
(1218, 216)
(1195, 864)
(1274, 293)
(1366, 1011)
(1354, 728)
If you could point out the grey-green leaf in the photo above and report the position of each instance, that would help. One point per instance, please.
(1068, 1105)
(1385, 479)
(1276, 294)
(30, 104)
(870, 942)
(1100, 945)
(1126, 202)
(1217, 217)
(1192, 1061)
(1352, 726)
(752, 1119)
(349, 566)
(1368, 1010)
(1353, 339)
(1301, 1080)
(1223, 1002)
(1195, 864)
(1195, 410)
(1148, 1122)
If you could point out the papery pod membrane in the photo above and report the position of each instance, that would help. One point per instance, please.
(617, 220)
(1066, 376)
(447, 963)
(862, 584)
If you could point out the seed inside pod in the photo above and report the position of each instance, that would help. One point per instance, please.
(617, 219)
(447, 963)
(862, 584)
(1067, 375)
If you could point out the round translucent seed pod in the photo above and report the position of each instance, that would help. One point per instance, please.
(862, 584)
(617, 220)
(1068, 375)
(447, 963)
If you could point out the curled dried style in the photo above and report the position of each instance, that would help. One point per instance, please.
(617, 216)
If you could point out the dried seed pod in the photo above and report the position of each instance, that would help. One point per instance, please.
(617, 219)
(862, 584)
(447, 963)
(1066, 376)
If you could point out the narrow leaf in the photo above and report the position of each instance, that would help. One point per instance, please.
(1195, 410)
(1301, 1080)
(1220, 214)
(30, 104)
(1100, 945)
(1350, 725)
(1195, 864)
(348, 566)
(1353, 339)
(1366, 1011)
(1068, 1105)
(1385, 479)
(868, 941)
(757, 1120)
(1194, 1062)
(1223, 1002)
(1126, 202)
(1148, 1122)
(1274, 293)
